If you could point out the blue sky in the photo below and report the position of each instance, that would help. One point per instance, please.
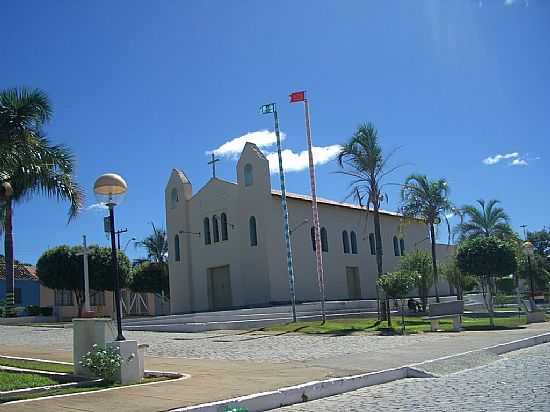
(141, 87)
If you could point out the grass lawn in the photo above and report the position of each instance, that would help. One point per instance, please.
(65, 391)
(10, 381)
(413, 325)
(37, 365)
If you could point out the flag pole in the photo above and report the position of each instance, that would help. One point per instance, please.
(316, 225)
(284, 206)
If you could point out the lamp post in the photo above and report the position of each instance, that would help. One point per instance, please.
(110, 189)
(529, 251)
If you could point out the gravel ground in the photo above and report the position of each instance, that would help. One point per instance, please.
(518, 381)
(231, 345)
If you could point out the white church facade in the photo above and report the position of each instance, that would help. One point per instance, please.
(227, 248)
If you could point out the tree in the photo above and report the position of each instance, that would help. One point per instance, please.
(487, 258)
(427, 200)
(419, 261)
(150, 277)
(61, 268)
(538, 272)
(397, 285)
(156, 245)
(362, 159)
(487, 219)
(31, 165)
(541, 240)
(460, 280)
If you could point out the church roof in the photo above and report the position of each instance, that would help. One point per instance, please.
(323, 201)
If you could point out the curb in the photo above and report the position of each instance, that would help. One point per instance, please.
(320, 389)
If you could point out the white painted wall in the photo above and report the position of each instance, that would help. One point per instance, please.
(259, 273)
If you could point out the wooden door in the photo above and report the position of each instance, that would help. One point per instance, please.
(219, 285)
(354, 283)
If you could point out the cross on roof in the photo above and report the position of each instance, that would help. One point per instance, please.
(213, 163)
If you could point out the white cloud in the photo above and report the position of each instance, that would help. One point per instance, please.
(509, 2)
(295, 162)
(234, 147)
(97, 207)
(519, 162)
(493, 160)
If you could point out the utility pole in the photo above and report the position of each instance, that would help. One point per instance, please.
(118, 232)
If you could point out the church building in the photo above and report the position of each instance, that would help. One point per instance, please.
(227, 247)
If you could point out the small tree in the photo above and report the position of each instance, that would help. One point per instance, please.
(396, 285)
(61, 268)
(420, 262)
(538, 272)
(148, 277)
(487, 258)
(458, 279)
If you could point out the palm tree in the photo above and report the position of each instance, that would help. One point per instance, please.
(362, 159)
(428, 200)
(156, 245)
(487, 219)
(31, 165)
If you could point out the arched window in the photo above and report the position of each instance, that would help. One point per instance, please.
(402, 244)
(395, 246)
(225, 234)
(345, 241)
(248, 180)
(372, 244)
(313, 243)
(324, 240)
(353, 242)
(215, 229)
(253, 232)
(206, 229)
(177, 248)
(174, 198)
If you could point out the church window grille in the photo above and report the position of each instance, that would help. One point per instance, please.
(395, 246)
(177, 255)
(372, 245)
(206, 229)
(345, 241)
(225, 234)
(215, 229)
(324, 240)
(353, 237)
(253, 232)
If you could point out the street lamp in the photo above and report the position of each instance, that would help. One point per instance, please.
(110, 189)
(529, 251)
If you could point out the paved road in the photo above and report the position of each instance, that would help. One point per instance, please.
(518, 381)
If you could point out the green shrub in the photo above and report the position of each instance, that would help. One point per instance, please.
(505, 285)
(33, 310)
(103, 362)
(46, 311)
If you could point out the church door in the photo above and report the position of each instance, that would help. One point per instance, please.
(219, 288)
(354, 284)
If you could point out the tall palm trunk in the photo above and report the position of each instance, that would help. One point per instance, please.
(378, 246)
(434, 263)
(8, 258)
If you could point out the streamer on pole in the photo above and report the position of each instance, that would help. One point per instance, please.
(301, 97)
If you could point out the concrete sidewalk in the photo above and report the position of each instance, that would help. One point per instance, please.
(213, 380)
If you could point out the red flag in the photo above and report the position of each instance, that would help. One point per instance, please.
(297, 97)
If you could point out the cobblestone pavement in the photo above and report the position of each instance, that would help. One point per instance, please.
(518, 381)
(231, 345)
